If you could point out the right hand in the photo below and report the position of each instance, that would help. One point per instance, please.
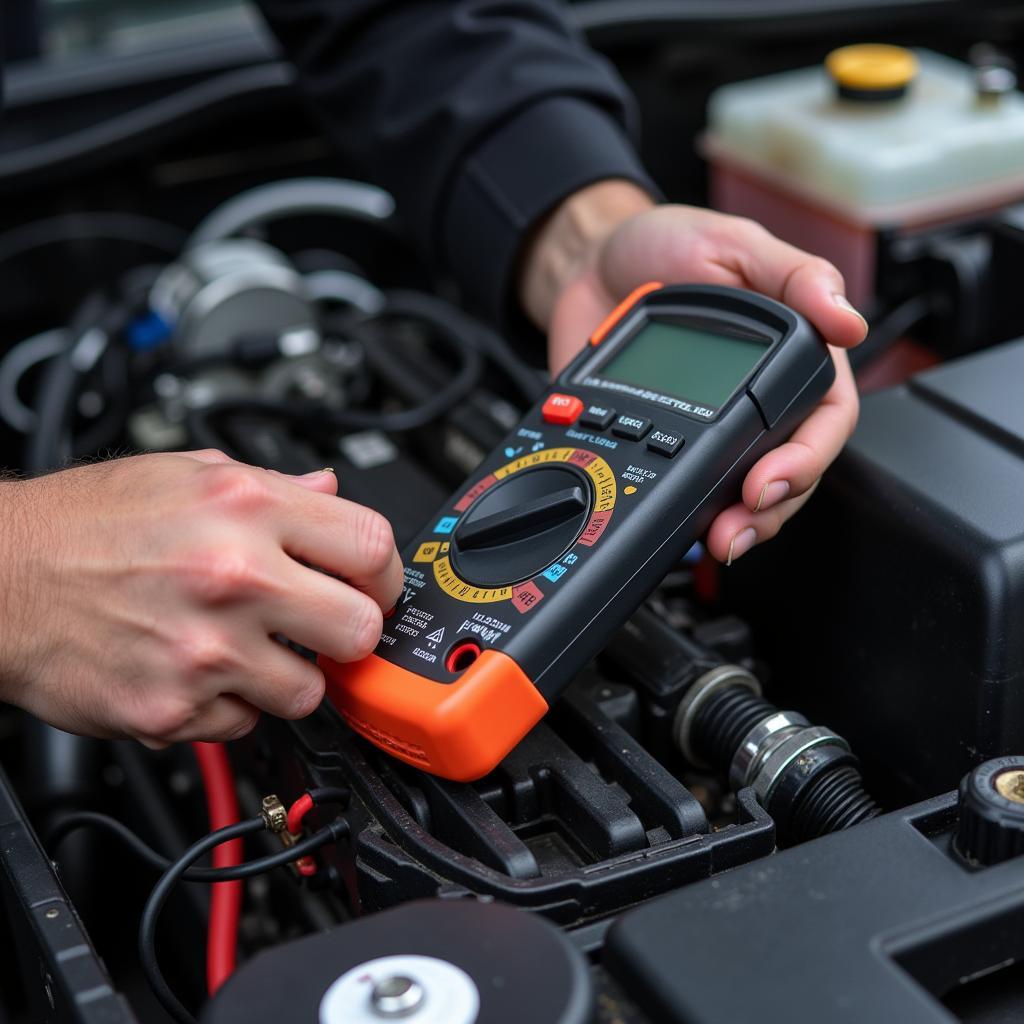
(140, 597)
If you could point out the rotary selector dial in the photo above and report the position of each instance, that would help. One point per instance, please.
(522, 524)
(503, 536)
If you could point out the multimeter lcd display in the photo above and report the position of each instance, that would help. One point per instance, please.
(686, 362)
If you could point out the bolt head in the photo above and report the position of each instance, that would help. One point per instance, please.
(396, 995)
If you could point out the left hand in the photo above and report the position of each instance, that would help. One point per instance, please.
(609, 238)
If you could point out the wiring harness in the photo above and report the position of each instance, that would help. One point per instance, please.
(296, 851)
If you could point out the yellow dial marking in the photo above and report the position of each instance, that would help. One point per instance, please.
(457, 588)
(604, 484)
(597, 469)
(426, 552)
(534, 459)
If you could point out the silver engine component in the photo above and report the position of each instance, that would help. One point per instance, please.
(222, 290)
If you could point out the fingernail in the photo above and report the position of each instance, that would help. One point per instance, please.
(771, 494)
(844, 304)
(317, 472)
(741, 544)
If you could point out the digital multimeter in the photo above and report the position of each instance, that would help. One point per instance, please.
(520, 579)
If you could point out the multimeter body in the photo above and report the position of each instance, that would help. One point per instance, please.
(520, 579)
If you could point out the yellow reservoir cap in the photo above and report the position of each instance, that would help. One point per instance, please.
(867, 68)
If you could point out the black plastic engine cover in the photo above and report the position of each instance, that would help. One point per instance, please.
(878, 923)
(891, 608)
(577, 823)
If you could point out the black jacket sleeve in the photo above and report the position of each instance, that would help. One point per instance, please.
(479, 116)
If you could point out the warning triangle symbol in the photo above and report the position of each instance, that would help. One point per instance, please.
(437, 636)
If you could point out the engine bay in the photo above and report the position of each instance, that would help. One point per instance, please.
(790, 789)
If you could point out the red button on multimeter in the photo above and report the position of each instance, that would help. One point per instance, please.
(521, 577)
(564, 409)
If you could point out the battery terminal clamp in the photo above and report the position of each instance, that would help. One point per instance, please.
(276, 819)
(575, 518)
(274, 815)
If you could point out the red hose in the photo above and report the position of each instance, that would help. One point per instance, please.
(226, 897)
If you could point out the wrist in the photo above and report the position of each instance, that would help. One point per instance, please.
(14, 589)
(567, 241)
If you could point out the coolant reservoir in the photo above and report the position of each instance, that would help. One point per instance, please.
(877, 137)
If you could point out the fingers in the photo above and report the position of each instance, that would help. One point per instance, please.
(281, 682)
(225, 705)
(679, 244)
(349, 541)
(166, 632)
(736, 530)
(809, 284)
(328, 616)
(780, 483)
(226, 717)
(252, 583)
(302, 516)
(789, 470)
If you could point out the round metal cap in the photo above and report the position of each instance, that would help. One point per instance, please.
(410, 988)
(991, 825)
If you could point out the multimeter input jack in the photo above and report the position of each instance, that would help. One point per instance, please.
(461, 656)
(804, 775)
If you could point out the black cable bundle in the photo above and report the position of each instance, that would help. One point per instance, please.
(182, 869)
(465, 338)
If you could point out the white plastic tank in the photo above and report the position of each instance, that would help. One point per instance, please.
(877, 137)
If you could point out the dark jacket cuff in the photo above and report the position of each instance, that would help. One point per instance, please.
(520, 173)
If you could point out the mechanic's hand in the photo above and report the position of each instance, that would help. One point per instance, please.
(609, 238)
(140, 597)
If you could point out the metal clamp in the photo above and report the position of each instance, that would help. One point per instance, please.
(273, 813)
(275, 819)
(758, 741)
(782, 755)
